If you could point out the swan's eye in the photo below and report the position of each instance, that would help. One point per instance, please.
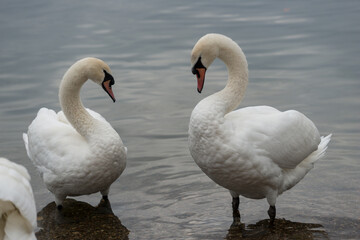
(108, 77)
(197, 65)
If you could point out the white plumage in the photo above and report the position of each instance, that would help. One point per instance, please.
(76, 151)
(257, 152)
(17, 205)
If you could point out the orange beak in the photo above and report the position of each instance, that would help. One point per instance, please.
(199, 70)
(200, 75)
(107, 87)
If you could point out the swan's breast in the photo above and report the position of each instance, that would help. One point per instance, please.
(228, 158)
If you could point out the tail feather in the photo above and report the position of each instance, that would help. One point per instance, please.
(320, 152)
(26, 142)
(293, 176)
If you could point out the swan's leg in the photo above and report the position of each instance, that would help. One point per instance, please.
(271, 198)
(235, 206)
(104, 206)
(272, 214)
(59, 200)
(105, 194)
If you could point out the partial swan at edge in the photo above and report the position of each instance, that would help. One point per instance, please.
(17, 204)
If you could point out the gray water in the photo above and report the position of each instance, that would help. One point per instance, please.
(302, 55)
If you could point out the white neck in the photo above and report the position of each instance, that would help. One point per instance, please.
(230, 97)
(69, 95)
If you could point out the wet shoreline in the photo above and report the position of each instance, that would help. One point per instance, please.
(80, 220)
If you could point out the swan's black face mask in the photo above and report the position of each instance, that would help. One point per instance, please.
(107, 83)
(199, 70)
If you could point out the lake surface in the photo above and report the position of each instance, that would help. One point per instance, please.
(302, 55)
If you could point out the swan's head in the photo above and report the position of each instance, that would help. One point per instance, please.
(99, 72)
(203, 54)
(213, 46)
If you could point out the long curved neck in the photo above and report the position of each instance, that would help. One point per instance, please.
(69, 95)
(230, 97)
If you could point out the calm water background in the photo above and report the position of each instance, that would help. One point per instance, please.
(302, 55)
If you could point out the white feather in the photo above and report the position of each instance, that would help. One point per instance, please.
(17, 205)
(257, 152)
(76, 150)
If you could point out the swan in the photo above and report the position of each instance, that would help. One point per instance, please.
(17, 204)
(256, 152)
(76, 151)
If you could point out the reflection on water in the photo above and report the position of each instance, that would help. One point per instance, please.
(79, 220)
(282, 229)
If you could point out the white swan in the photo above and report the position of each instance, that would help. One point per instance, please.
(257, 152)
(17, 205)
(76, 151)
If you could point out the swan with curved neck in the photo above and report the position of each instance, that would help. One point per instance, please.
(69, 93)
(257, 152)
(76, 151)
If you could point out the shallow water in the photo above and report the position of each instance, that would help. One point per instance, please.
(301, 55)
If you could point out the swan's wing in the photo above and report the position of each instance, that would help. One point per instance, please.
(285, 137)
(53, 144)
(96, 115)
(17, 227)
(62, 118)
(15, 188)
